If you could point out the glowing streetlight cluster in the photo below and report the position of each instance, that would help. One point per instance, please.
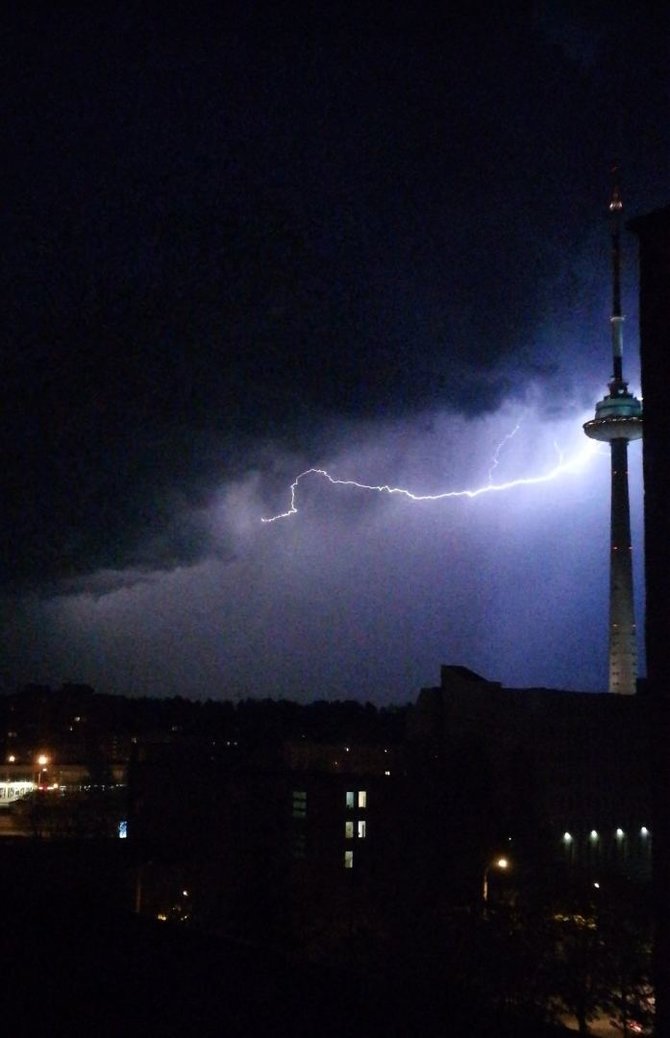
(594, 835)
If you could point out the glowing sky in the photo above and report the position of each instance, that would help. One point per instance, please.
(241, 249)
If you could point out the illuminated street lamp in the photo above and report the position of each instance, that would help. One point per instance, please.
(41, 762)
(497, 863)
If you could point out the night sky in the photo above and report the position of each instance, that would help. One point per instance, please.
(238, 245)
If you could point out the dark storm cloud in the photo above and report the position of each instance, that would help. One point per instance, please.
(237, 248)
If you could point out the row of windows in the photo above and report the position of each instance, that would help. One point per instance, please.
(359, 799)
(353, 798)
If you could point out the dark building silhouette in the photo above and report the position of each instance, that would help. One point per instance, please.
(288, 847)
(327, 845)
(563, 774)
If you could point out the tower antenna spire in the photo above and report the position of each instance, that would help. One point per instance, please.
(616, 209)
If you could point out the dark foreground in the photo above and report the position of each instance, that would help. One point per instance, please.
(75, 960)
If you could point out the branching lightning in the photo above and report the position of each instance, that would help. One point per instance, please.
(561, 468)
(496, 454)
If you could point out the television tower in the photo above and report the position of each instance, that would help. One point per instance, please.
(618, 419)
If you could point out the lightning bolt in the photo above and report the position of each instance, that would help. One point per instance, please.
(496, 454)
(561, 468)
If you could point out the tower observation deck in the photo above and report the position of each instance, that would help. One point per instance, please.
(617, 420)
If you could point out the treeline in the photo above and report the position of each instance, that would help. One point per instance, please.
(38, 711)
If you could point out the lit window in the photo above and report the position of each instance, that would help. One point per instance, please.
(362, 798)
(348, 859)
(361, 830)
(123, 830)
(299, 803)
(351, 799)
(349, 830)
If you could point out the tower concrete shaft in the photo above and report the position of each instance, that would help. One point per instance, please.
(622, 634)
(618, 419)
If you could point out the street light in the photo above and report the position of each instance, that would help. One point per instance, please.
(41, 762)
(497, 863)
